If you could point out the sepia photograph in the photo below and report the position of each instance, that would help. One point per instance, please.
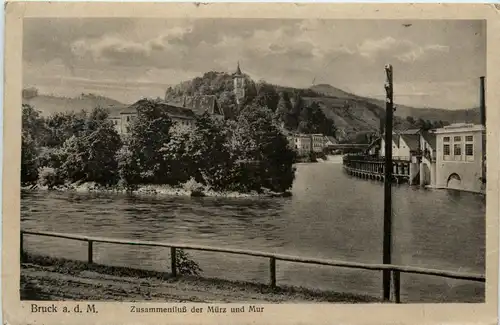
(227, 160)
(200, 163)
(250, 163)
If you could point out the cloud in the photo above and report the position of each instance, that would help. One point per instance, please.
(403, 50)
(370, 47)
(286, 51)
(418, 53)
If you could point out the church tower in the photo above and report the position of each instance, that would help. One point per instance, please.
(239, 85)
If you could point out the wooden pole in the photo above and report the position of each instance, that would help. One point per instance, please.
(396, 281)
(272, 272)
(173, 261)
(90, 257)
(388, 183)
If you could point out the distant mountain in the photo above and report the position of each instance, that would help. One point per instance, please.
(330, 91)
(471, 115)
(48, 104)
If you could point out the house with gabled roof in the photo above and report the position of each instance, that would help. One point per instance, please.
(180, 115)
(395, 145)
(405, 144)
(200, 104)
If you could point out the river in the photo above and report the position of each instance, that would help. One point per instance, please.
(330, 215)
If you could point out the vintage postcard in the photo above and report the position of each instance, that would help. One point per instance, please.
(250, 163)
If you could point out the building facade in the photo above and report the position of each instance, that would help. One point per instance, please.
(404, 144)
(122, 120)
(460, 157)
(395, 146)
(303, 144)
(318, 142)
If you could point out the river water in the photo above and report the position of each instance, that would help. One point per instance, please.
(330, 215)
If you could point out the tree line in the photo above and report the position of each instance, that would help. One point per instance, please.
(425, 125)
(246, 154)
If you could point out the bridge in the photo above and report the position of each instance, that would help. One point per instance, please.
(348, 147)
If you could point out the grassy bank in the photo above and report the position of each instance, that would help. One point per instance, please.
(46, 278)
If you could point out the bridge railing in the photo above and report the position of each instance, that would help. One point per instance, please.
(396, 270)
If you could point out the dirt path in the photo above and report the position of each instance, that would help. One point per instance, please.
(50, 283)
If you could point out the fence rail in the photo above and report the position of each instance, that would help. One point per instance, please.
(273, 258)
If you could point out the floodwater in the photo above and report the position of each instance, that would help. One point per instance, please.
(330, 215)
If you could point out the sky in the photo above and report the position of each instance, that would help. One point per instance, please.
(437, 63)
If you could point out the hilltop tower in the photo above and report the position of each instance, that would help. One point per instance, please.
(239, 85)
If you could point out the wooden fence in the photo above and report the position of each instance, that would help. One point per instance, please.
(396, 270)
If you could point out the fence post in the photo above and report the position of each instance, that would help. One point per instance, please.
(396, 282)
(21, 248)
(90, 251)
(272, 271)
(173, 260)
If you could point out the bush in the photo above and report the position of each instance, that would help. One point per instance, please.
(195, 188)
(185, 264)
(49, 177)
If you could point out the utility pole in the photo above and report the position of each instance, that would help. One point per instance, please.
(389, 103)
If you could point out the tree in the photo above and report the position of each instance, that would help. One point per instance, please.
(33, 131)
(264, 159)
(227, 102)
(62, 126)
(410, 120)
(201, 154)
(29, 166)
(296, 108)
(267, 96)
(149, 132)
(128, 168)
(284, 105)
(91, 157)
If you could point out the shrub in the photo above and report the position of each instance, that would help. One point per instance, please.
(185, 264)
(50, 177)
(194, 187)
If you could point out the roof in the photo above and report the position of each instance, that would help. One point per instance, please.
(412, 140)
(202, 104)
(457, 128)
(395, 138)
(430, 138)
(238, 70)
(115, 110)
(410, 131)
(172, 110)
(199, 104)
(331, 139)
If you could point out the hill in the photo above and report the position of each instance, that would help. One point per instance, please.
(433, 114)
(351, 114)
(48, 104)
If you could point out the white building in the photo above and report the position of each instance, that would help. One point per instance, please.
(404, 144)
(318, 142)
(460, 157)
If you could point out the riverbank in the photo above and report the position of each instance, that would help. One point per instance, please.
(190, 189)
(45, 278)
